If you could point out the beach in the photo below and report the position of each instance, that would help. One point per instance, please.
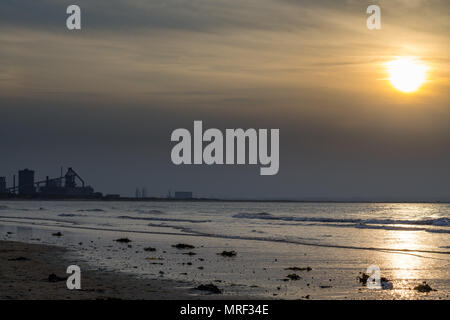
(25, 269)
(159, 250)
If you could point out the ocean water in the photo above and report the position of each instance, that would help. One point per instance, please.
(410, 243)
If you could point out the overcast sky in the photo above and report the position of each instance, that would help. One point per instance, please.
(105, 99)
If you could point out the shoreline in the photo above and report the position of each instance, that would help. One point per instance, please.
(133, 257)
(156, 199)
(25, 268)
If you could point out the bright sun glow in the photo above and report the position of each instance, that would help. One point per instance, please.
(407, 74)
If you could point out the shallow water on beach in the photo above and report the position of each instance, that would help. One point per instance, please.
(408, 242)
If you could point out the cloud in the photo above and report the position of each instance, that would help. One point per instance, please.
(218, 15)
(111, 93)
(116, 15)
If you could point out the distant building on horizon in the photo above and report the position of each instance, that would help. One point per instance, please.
(60, 187)
(2, 184)
(26, 182)
(183, 195)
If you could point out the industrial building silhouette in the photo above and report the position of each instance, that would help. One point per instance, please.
(69, 185)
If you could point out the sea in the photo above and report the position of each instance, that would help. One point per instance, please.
(327, 245)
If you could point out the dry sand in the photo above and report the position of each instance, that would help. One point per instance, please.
(24, 271)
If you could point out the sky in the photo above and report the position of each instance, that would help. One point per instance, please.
(105, 99)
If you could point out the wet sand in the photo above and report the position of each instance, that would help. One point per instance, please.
(150, 265)
(25, 268)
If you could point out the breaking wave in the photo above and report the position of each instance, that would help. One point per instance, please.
(151, 211)
(386, 224)
(3, 207)
(91, 210)
(71, 215)
(443, 222)
(164, 219)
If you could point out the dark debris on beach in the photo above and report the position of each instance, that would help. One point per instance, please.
(54, 278)
(385, 283)
(209, 287)
(364, 277)
(424, 287)
(293, 276)
(19, 259)
(228, 253)
(299, 269)
(183, 246)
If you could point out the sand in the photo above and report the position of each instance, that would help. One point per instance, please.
(28, 278)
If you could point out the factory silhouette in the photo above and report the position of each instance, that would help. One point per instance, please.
(68, 186)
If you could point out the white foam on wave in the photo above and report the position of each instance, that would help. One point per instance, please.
(150, 211)
(71, 215)
(163, 219)
(443, 222)
(385, 224)
(91, 210)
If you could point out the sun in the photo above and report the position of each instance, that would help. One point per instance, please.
(407, 74)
